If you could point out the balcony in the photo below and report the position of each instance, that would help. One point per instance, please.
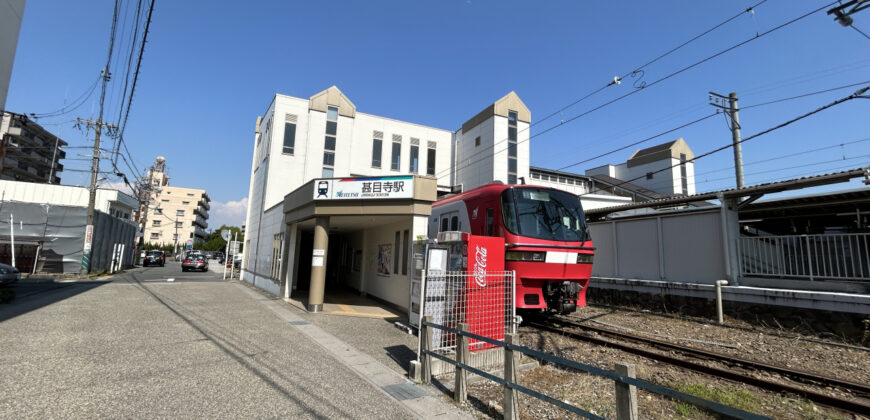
(204, 204)
(201, 213)
(200, 222)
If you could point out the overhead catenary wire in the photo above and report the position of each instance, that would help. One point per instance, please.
(472, 162)
(641, 67)
(756, 135)
(615, 82)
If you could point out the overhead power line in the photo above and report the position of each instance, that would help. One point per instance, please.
(472, 162)
(805, 95)
(756, 135)
(641, 67)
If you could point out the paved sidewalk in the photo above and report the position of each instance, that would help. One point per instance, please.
(418, 399)
(140, 346)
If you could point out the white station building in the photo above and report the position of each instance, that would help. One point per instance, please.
(338, 196)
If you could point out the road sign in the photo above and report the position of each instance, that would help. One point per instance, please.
(225, 234)
(190, 244)
(234, 247)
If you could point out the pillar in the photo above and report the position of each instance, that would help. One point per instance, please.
(730, 238)
(318, 264)
(288, 260)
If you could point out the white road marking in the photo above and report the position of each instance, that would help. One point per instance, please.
(170, 279)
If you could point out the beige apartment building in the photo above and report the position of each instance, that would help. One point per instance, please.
(175, 215)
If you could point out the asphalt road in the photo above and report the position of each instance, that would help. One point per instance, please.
(139, 346)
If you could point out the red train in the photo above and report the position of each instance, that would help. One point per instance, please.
(547, 242)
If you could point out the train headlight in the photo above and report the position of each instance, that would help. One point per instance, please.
(525, 256)
(584, 258)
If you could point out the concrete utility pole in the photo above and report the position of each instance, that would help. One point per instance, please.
(95, 164)
(731, 109)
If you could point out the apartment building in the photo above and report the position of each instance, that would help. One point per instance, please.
(174, 215)
(28, 152)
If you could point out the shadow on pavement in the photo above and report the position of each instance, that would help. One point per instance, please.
(32, 294)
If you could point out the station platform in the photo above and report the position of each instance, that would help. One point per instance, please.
(348, 302)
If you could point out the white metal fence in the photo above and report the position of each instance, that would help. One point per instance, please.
(484, 301)
(813, 257)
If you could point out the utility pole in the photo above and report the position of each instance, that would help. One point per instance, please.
(95, 164)
(731, 109)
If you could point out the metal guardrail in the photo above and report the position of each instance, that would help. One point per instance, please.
(626, 383)
(813, 257)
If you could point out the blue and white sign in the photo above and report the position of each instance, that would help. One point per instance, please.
(387, 187)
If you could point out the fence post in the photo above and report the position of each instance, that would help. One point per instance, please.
(460, 388)
(810, 259)
(626, 395)
(425, 345)
(511, 408)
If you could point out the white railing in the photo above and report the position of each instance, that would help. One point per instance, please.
(812, 257)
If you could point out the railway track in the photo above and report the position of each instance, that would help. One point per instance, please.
(694, 359)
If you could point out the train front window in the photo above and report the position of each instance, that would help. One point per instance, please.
(544, 214)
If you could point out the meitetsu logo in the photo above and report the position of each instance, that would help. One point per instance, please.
(342, 194)
(480, 266)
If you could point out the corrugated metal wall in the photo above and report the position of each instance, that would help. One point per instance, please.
(60, 231)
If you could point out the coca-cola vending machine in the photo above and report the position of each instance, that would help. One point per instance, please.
(477, 296)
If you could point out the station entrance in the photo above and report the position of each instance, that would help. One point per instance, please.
(338, 249)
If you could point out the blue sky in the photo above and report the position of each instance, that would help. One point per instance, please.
(210, 68)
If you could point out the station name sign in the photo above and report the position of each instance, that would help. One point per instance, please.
(387, 187)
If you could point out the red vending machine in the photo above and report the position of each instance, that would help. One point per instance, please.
(479, 295)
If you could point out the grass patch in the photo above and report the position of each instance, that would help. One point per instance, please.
(730, 396)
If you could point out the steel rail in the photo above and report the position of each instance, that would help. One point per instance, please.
(817, 397)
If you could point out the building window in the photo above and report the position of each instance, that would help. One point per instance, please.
(185, 203)
(414, 164)
(376, 153)
(289, 138)
(155, 223)
(430, 161)
(158, 211)
(512, 147)
(277, 242)
(327, 172)
(477, 141)
(683, 176)
(190, 194)
(179, 224)
(164, 201)
(396, 254)
(155, 235)
(179, 212)
(329, 141)
(397, 156)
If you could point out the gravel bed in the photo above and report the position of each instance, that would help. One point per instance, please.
(774, 346)
(785, 348)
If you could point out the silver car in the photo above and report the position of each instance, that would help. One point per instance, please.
(9, 274)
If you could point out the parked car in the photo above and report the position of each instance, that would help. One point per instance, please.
(154, 257)
(9, 274)
(219, 255)
(195, 262)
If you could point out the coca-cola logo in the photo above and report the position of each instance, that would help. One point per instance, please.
(480, 266)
